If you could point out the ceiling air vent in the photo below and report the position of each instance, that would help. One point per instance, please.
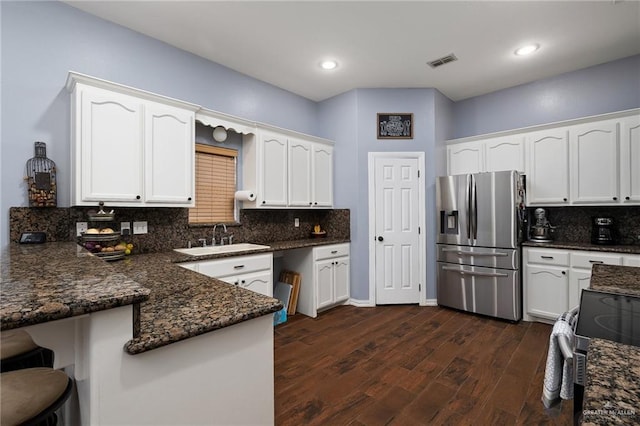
(441, 61)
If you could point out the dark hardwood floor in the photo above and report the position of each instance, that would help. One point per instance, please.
(410, 365)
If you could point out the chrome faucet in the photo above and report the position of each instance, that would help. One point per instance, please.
(213, 241)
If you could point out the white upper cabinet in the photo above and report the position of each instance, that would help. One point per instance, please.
(287, 170)
(322, 175)
(630, 159)
(129, 148)
(548, 170)
(588, 161)
(273, 162)
(504, 153)
(169, 154)
(594, 162)
(107, 147)
(465, 158)
(300, 171)
(487, 155)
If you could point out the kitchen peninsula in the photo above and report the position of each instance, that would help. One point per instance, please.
(203, 349)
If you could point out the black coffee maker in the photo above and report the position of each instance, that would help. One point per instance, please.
(603, 231)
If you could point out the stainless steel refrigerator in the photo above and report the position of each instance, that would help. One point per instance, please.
(480, 222)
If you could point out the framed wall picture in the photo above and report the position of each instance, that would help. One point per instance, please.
(395, 126)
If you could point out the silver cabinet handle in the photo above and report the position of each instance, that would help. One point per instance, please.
(480, 274)
(334, 251)
(596, 261)
(238, 267)
(470, 253)
(547, 257)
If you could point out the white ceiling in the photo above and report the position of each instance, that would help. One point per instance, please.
(388, 43)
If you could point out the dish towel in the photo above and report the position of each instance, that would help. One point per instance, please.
(558, 374)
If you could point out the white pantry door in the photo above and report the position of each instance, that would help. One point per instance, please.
(397, 230)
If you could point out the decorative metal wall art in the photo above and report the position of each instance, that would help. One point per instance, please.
(41, 178)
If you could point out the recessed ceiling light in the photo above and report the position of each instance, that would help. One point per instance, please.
(526, 50)
(328, 65)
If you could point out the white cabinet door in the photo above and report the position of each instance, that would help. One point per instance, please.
(259, 282)
(110, 149)
(324, 283)
(579, 279)
(169, 154)
(548, 180)
(341, 279)
(300, 153)
(274, 170)
(630, 159)
(322, 175)
(547, 291)
(504, 153)
(594, 162)
(465, 158)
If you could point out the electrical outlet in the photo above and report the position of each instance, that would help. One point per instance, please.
(140, 227)
(296, 222)
(81, 227)
(125, 228)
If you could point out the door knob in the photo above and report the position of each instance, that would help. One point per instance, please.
(380, 239)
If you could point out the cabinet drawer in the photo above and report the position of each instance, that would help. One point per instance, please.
(328, 252)
(586, 259)
(548, 257)
(235, 265)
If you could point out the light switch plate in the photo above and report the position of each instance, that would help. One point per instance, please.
(140, 227)
(296, 222)
(81, 227)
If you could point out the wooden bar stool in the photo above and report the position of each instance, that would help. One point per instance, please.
(32, 395)
(18, 350)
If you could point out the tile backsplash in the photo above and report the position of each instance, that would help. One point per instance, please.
(169, 227)
(573, 224)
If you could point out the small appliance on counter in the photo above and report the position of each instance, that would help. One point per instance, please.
(541, 231)
(603, 231)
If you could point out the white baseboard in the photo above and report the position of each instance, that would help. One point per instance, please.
(362, 303)
(369, 304)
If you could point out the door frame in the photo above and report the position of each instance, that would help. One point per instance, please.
(422, 237)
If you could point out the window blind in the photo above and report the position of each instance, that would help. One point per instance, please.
(215, 185)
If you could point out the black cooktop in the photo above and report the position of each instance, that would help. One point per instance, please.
(609, 316)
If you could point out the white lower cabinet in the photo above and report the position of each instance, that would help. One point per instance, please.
(253, 272)
(325, 274)
(554, 278)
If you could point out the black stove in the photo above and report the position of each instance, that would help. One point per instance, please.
(609, 316)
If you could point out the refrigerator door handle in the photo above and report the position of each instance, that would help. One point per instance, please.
(471, 253)
(474, 199)
(469, 180)
(479, 274)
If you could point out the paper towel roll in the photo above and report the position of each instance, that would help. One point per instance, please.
(245, 196)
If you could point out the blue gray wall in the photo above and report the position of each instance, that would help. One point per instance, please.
(42, 41)
(349, 119)
(614, 86)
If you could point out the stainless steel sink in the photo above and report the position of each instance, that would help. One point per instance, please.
(231, 248)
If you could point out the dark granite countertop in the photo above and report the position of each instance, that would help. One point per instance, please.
(620, 248)
(51, 281)
(616, 279)
(612, 391)
(46, 282)
(184, 303)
